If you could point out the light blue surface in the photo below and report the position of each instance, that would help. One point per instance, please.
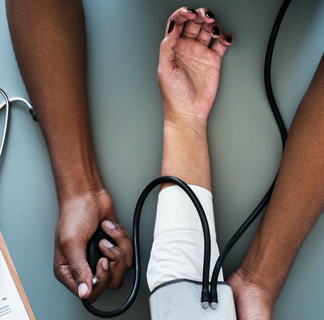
(126, 118)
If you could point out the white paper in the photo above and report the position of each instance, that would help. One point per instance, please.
(11, 306)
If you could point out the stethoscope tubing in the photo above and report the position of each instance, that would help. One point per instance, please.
(283, 132)
(6, 105)
(5, 127)
(15, 99)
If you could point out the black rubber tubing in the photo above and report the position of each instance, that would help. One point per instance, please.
(283, 133)
(137, 257)
(207, 249)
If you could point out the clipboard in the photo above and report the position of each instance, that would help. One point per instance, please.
(13, 300)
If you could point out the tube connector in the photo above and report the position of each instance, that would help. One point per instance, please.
(213, 305)
(204, 299)
(204, 304)
(32, 112)
(213, 297)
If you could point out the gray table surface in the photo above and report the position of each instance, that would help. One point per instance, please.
(126, 117)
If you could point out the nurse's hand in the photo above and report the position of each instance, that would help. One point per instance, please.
(79, 219)
(188, 70)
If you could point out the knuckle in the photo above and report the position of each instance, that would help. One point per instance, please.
(66, 239)
(121, 255)
(124, 233)
(121, 233)
(75, 270)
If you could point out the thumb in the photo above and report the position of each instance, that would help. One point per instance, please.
(173, 31)
(75, 253)
(167, 46)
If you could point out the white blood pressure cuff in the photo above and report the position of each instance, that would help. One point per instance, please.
(180, 300)
(178, 247)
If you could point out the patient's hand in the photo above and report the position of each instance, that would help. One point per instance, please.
(188, 71)
(252, 300)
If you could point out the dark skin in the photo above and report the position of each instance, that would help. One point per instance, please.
(295, 205)
(49, 40)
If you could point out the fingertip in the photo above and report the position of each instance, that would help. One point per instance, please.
(177, 20)
(184, 14)
(221, 44)
(216, 31)
(103, 277)
(106, 244)
(227, 38)
(209, 15)
(108, 225)
(83, 290)
(205, 15)
(171, 26)
(105, 264)
(172, 32)
(192, 11)
(102, 273)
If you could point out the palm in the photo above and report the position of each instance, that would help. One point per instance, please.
(191, 80)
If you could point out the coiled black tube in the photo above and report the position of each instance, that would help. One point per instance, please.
(137, 256)
(283, 133)
(205, 291)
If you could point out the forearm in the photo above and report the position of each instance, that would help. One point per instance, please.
(297, 199)
(185, 151)
(48, 37)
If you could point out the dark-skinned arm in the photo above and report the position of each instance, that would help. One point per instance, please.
(49, 41)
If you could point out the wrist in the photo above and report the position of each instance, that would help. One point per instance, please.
(185, 150)
(268, 261)
(266, 277)
(189, 109)
(184, 121)
(189, 133)
(251, 300)
(77, 183)
(254, 280)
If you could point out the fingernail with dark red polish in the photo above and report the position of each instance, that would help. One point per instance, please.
(192, 11)
(216, 31)
(171, 26)
(229, 39)
(209, 15)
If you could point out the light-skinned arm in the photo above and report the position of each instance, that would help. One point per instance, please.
(188, 76)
